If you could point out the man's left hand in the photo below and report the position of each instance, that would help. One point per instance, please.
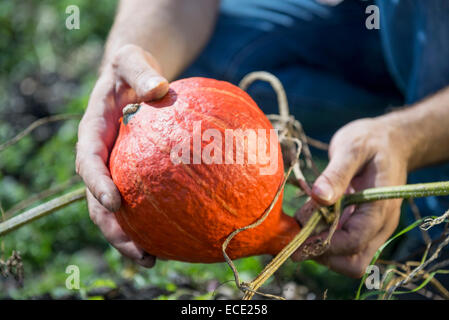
(366, 153)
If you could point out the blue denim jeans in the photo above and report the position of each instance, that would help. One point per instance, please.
(333, 68)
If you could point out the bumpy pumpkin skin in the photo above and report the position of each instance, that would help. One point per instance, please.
(185, 211)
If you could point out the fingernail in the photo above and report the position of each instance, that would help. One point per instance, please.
(147, 260)
(107, 202)
(323, 191)
(155, 82)
(144, 255)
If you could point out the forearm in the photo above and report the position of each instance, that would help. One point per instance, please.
(173, 31)
(423, 130)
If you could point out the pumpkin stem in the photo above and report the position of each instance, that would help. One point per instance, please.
(129, 111)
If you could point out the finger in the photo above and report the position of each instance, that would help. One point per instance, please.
(305, 212)
(345, 215)
(365, 223)
(360, 227)
(346, 159)
(353, 237)
(352, 266)
(355, 265)
(96, 135)
(114, 234)
(91, 166)
(348, 211)
(140, 70)
(368, 219)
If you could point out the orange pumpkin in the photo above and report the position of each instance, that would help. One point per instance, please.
(184, 210)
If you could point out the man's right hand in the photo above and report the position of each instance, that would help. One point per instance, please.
(132, 76)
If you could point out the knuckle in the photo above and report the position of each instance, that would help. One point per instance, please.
(141, 76)
(356, 149)
(123, 53)
(98, 195)
(128, 48)
(353, 267)
(357, 246)
(374, 214)
(353, 244)
(116, 234)
(359, 265)
(336, 178)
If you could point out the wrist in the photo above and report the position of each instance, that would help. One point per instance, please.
(404, 136)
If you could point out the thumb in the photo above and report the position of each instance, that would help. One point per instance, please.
(335, 179)
(140, 70)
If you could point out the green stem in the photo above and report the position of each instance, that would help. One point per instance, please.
(404, 192)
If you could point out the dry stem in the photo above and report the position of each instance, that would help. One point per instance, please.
(282, 256)
(36, 124)
(41, 196)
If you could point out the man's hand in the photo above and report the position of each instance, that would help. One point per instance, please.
(364, 154)
(132, 76)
